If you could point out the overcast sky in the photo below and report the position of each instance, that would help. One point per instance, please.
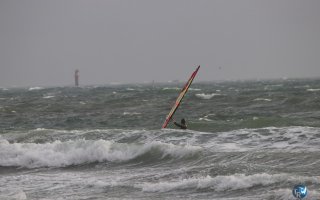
(42, 42)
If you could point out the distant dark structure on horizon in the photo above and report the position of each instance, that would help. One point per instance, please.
(76, 78)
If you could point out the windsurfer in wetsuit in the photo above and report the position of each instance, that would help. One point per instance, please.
(182, 125)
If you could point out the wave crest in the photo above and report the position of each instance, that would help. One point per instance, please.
(61, 154)
(218, 183)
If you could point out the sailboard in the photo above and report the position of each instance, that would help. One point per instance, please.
(180, 97)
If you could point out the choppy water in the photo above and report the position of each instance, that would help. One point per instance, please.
(246, 140)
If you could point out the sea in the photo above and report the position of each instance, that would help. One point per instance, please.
(245, 140)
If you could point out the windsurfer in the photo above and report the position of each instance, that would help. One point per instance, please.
(182, 125)
(179, 99)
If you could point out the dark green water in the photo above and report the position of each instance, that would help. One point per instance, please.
(246, 140)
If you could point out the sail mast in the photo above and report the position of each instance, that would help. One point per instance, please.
(180, 97)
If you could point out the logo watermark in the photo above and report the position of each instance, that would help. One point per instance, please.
(299, 191)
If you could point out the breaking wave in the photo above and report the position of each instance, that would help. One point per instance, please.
(223, 183)
(218, 183)
(62, 154)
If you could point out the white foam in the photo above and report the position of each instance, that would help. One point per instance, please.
(286, 194)
(207, 96)
(313, 90)
(35, 88)
(48, 97)
(255, 118)
(13, 195)
(60, 154)
(262, 99)
(294, 139)
(21, 195)
(171, 88)
(194, 89)
(204, 119)
(218, 183)
(131, 113)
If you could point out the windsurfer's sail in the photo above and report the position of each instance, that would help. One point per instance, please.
(180, 97)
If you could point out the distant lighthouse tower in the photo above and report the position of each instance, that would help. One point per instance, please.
(76, 78)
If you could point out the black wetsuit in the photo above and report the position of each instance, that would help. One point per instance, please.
(182, 126)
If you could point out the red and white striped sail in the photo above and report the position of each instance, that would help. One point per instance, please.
(180, 97)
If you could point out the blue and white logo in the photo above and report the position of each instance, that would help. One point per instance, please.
(299, 191)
